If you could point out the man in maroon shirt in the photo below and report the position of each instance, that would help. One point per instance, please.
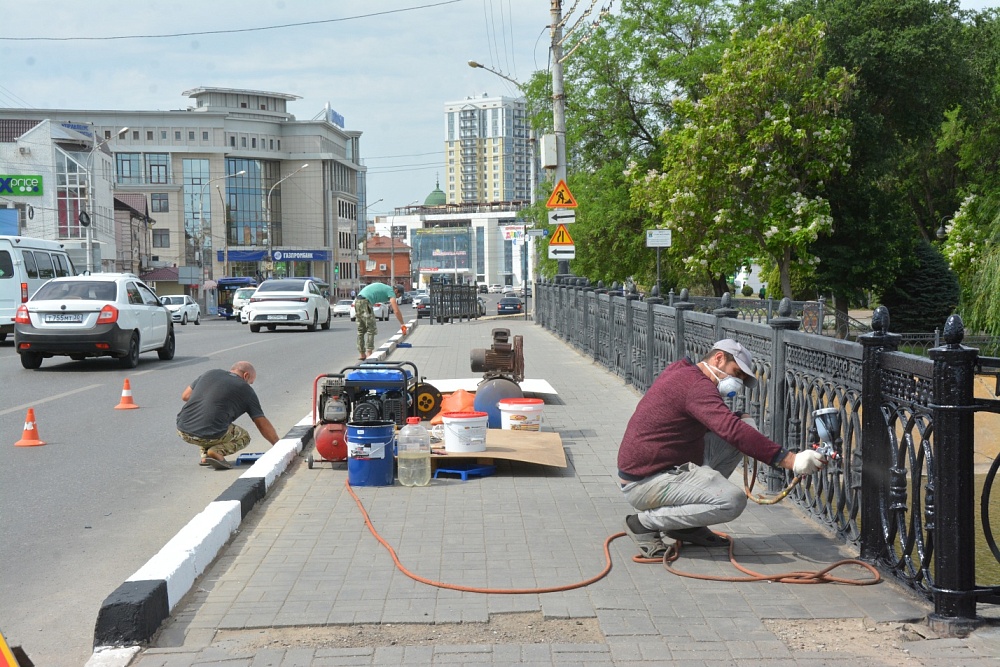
(682, 444)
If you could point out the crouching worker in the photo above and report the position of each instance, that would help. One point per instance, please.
(682, 444)
(212, 403)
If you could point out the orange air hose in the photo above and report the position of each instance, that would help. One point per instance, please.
(672, 554)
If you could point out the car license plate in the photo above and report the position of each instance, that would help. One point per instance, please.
(276, 317)
(64, 317)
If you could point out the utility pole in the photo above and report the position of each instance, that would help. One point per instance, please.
(558, 103)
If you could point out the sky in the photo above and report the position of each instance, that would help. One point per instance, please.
(387, 66)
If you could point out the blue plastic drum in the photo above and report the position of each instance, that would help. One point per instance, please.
(490, 393)
(370, 453)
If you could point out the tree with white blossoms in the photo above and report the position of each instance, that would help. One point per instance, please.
(743, 170)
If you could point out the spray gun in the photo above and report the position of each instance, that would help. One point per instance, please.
(825, 433)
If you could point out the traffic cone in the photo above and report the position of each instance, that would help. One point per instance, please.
(126, 402)
(29, 438)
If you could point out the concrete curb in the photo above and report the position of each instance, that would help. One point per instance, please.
(131, 615)
(383, 352)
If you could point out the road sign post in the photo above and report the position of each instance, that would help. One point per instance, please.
(658, 238)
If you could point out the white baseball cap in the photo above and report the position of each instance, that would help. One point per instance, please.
(743, 359)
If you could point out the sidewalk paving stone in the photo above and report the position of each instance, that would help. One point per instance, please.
(305, 558)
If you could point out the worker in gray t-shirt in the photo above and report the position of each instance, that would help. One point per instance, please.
(212, 403)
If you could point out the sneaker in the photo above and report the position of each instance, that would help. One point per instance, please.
(649, 542)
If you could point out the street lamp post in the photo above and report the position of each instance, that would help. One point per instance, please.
(267, 213)
(202, 235)
(92, 197)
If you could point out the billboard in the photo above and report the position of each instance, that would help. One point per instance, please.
(21, 185)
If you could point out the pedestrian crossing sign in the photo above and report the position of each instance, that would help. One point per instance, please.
(561, 237)
(561, 197)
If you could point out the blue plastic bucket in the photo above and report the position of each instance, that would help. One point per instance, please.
(369, 453)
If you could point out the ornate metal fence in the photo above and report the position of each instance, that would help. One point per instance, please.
(902, 491)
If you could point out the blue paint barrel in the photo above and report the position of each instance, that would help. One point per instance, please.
(369, 453)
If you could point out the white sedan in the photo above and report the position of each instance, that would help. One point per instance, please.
(381, 311)
(288, 302)
(344, 307)
(182, 309)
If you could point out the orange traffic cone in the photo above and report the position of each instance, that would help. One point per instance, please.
(126, 402)
(29, 437)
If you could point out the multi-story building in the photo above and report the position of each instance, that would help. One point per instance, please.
(224, 181)
(487, 151)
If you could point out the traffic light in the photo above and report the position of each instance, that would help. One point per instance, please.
(336, 270)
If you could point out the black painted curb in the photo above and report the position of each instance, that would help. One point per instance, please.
(133, 613)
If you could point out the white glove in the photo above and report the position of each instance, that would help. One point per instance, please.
(807, 462)
(750, 421)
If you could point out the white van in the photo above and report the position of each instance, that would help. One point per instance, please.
(25, 265)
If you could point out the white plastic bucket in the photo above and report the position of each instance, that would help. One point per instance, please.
(464, 431)
(521, 414)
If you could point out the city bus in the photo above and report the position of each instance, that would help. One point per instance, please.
(227, 287)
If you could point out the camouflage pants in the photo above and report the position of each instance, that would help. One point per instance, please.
(235, 439)
(367, 327)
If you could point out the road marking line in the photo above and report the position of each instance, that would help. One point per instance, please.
(18, 408)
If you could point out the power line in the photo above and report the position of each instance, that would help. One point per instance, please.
(386, 157)
(229, 32)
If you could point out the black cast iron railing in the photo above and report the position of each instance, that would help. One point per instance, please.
(902, 491)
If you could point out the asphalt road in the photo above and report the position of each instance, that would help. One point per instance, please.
(79, 515)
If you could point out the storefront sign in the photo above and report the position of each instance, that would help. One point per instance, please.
(19, 185)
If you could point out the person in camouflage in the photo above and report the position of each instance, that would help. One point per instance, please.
(365, 316)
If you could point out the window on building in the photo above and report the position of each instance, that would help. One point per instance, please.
(160, 202)
(149, 135)
(127, 168)
(161, 238)
(107, 134)
(253, 142)
(272, 144)
(135, 135)
(232, 140)
(177, 135)
(279, 144)
(243, 142)
(190, 135)
(204, 136)
(157, 165)
(163, 135)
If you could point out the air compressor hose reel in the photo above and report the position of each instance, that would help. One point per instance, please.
(504, 359)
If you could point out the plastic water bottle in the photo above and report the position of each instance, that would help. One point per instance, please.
(413, 456)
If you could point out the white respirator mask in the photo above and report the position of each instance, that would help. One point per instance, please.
(728, 385)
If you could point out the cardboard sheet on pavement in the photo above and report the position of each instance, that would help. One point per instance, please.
(541, 447)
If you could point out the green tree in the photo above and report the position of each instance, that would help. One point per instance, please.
(620, 85)
(909, 58)
(742, 176)
(924, 294)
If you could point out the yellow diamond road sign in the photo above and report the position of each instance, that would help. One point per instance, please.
(561, 197)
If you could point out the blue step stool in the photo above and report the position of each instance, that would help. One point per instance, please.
(464, 470)
(248, 459)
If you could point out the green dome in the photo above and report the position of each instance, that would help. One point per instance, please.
(437, 197)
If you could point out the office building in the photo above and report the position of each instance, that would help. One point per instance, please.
(223, 180)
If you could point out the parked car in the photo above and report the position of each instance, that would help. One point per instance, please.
(241, 298)
(288, 302)
(423, 306)
(510, 305)
(484, 289)
(407, 297)
(100, 315)
(496, 289)
(381, 311)
(343, 308)
(182, 309)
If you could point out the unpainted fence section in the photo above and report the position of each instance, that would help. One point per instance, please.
(902, 491)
